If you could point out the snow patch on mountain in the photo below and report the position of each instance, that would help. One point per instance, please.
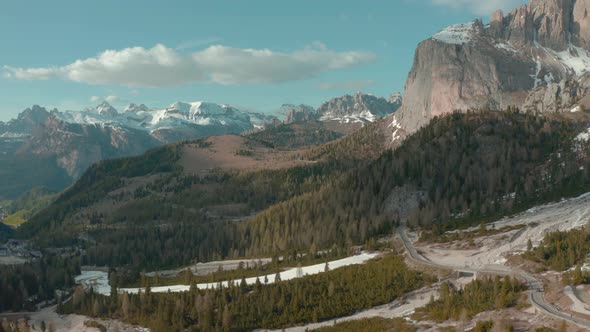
(136, 108)
(575, 58)
(396, 128)
(457, 34)
(176, 116)
(583, 136)
(358, 108)
(506, 47)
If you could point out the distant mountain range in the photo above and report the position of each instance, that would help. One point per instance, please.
(52, 148)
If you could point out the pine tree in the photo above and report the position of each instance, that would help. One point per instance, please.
(125, 305)
(188, 276)
(226, 320)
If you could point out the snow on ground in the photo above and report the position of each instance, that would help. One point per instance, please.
(535, 76)
(562, 216)
(506, 47)
(457, 34)
(12, 260)
(359, 117)
(397, 308)
(576, 58)
(99, 280)
(578, 305)
(583, 136)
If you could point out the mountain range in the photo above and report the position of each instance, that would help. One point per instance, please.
(67, 143)
(482, 169)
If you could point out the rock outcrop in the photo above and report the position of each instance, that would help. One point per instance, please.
(534, 57)
(358, 108)
(26, 122)
(298, 113)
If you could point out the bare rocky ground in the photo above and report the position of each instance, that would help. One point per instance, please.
(74, 323)
(504, 249)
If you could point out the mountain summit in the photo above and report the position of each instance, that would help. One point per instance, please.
(536, 57)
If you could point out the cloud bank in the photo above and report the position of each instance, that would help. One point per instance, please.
(480, 7)
(161, 66)
(109, 99)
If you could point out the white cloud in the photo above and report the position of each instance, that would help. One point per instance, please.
(356, 85)
(479, 7)
(113, 99)
(109, 99)
(163, 66)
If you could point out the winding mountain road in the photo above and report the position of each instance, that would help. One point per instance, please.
(536, 294)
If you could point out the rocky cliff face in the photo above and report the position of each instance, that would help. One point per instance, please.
(77, 146)
(358, 108)
(298, 113)
(25, 123)
(535, 57)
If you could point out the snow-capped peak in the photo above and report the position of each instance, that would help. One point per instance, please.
(458, 34)
(136, 108)
(395, 98)
(105, 108)
(179, 107)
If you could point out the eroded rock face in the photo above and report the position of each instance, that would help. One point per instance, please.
(298, 113)
(533, 57)
(25, 123)
(447, 77)
(77, 146)
(581, 24)
(357, 108)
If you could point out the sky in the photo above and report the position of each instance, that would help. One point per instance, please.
(255, 54)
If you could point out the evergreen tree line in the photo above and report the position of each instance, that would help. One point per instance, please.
(561, 251)
(466, 168)
(477, 296)
(243, 308)
(23, 286)
(295, 135)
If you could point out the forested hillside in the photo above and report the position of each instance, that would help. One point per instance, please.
(458, 170)
(183, 215)
(244, 308)
(296, 135)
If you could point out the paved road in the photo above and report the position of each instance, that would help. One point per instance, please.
(536, 294)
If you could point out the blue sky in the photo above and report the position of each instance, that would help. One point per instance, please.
(252, 54)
